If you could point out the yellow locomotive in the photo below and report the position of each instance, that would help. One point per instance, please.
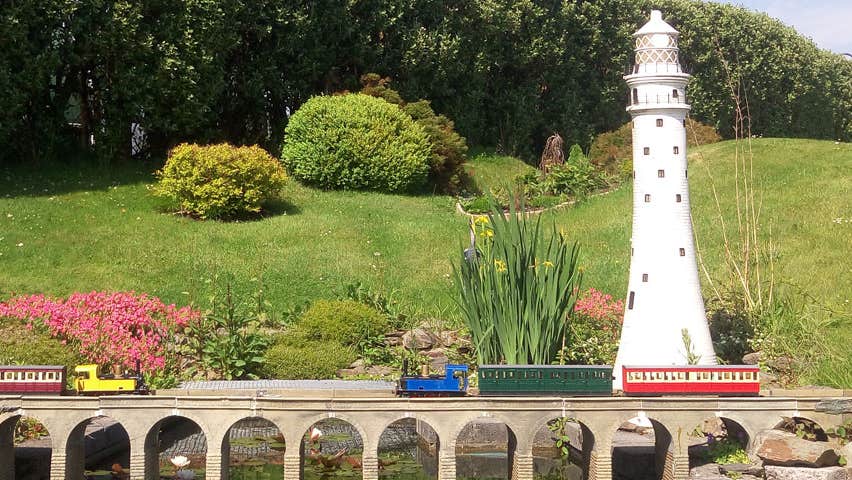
(50, 379)
(89, 380)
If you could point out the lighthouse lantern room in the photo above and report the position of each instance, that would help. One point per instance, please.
(664, 321)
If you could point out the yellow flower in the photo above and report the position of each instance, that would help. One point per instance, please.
(481, 219)
(547, 263)
(487, 233)
(500, 264)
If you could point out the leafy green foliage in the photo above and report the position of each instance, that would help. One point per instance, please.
(227, 342)
(317, 361)
(725, 451)
(575, 178)
(560, 438)
(355, 141)
(515, 288)
(28, 428)
(594, 328)
(732, 333)
(219, 181)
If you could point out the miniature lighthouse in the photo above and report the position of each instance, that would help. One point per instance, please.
(663, 294)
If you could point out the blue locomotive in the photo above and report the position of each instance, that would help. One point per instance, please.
(452, 383)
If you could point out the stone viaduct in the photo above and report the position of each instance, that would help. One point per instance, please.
(599, 418)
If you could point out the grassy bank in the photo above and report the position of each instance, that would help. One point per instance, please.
(65, 229)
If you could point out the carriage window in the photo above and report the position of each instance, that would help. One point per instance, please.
(30, 375)
(705, 375)
(726, 375)
(511, 374)
(681, 375)
(8, 376)
(747, 375)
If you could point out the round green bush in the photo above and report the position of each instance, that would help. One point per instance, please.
(356, 141)
(318, 361)
(346, 322)
(219, 181)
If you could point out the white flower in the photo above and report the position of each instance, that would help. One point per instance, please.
(20, 244)
(179, 461)
(316, 433)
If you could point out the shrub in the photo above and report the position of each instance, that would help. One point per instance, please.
(448, 149)
(346, 322)
(317, 361)
(219, 181)
(355, 141)
(613, 151)
(577, 177)
(111, 329)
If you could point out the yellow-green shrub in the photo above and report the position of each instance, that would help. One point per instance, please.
(219, 181)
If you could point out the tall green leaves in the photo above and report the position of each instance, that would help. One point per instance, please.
(516, 289)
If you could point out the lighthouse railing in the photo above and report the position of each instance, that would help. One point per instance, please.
(656, 99)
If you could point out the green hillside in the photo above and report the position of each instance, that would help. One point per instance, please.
(74, 229)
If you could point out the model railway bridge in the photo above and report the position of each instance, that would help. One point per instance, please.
(599, 419)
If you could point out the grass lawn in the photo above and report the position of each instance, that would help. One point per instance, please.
(65, 229)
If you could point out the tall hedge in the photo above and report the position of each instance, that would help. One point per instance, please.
(508, 72)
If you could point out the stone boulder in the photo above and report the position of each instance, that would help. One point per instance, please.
(834, 406)
(802, 473)
(751, 358)
(438, 359)
(420, 339)
(742, 469)
(709, 471)
(780, 448)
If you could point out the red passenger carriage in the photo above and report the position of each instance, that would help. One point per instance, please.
(32, 379)
(725, 380)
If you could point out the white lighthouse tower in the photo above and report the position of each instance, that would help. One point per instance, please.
(663, 293)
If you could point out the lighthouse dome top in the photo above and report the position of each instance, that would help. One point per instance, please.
(656, 25)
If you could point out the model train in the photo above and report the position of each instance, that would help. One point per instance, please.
(577, 380)
(51, 380)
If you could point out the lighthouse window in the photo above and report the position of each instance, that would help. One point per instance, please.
(646, 150)
(675, 94)
(686, 173)
(684, 123)
(675, 150)
(644, 277)
(659, 122)
(682, 252)
(647, 198)
(634, 174)
(678, 198)
(661, 173)
(630, 301)
(631, 251)
(635, 95)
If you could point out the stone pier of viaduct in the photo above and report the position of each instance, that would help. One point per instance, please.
(599, 418)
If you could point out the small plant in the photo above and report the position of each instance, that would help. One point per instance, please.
(843, 433)
(342, 321)
(692, 358)
(560, 437)
(227, 338)
(219, 181)
(28, 429)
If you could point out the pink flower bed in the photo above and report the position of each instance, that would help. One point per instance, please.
(600, 307)
(110, 328)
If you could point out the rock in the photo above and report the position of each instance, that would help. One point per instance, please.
(834, 406)
(751, 358)
(394, 339)
(438, 359)
(846, 452)
(714, 426)
(420, 339)
(380, 370)
(781, 364)
(777, 447)
(742, 469)
(449, 337)
(357, 363)
(709, 471)
(801, 473)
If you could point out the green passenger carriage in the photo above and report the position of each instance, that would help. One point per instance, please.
(545, 379)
